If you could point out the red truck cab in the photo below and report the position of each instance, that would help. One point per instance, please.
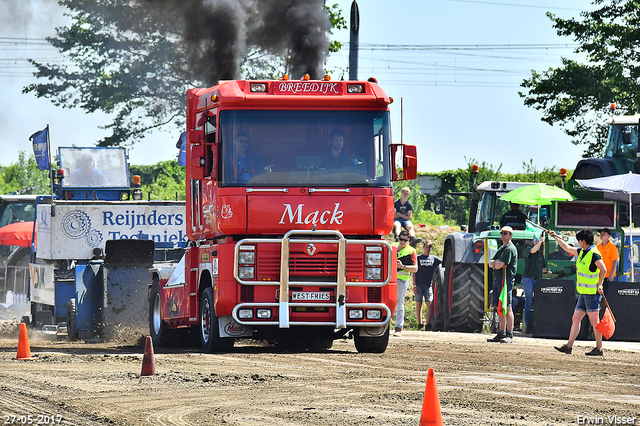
(289, 197)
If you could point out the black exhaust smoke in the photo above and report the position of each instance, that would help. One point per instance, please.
(217, 32)
(297, 29)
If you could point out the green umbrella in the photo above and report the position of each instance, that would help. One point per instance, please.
(539, 194)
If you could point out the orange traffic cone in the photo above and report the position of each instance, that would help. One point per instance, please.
(431, 414)
(24, 351)
(148, 361)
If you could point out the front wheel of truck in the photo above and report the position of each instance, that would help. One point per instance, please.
(371, 344)
(161, 334)
(209, 332)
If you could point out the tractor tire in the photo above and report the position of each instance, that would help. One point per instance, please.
(467, 298)
(443, 302)
(72, 329)
(438, 290)
(209, 333)
(371, 345)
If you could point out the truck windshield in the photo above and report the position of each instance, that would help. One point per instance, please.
(94, 167)
(622, 141)
(17, 212)
(302, 148)
(490, 210)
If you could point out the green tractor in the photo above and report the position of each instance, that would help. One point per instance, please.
(461, 291)
(621, 154)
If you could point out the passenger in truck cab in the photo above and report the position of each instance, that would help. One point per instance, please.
(245, 164)
(335, 156)
(86, 174)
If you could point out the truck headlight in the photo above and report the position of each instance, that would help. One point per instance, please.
(246, 272)
(246, 258)
(373, 259)
(374, 314)
(263, 313)
(245, 313)
(373, 274)
(356, 314)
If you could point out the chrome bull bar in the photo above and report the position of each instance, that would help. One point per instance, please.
(340, 304)
(315, 305)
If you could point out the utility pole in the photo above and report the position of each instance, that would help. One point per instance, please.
(353, 41)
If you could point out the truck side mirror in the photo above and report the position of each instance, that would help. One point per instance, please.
(195, 152)
(409, 162)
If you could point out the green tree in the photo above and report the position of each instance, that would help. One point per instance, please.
(460, 181)
(24, 177)
(135, 59)
(163, 181)
(576, 95)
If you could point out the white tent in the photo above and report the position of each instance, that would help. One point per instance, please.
(627, 184)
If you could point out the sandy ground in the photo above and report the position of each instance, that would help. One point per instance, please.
(479, 383)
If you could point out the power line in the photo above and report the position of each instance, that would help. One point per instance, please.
(427, 47)
(516, 5)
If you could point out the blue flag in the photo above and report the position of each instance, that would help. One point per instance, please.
(41, 148)
(182, 144)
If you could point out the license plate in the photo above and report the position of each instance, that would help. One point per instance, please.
(311, 295)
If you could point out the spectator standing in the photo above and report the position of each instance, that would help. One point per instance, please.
(504, 262)
(407, 263)
(609, 253)
(422, 283)
(591, 272)
(534, 266)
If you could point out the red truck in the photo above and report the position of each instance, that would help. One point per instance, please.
(289, 197)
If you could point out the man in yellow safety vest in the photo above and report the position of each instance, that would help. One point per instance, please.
(590, 273)
(407, 263)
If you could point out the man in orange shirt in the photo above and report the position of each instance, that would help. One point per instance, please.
(609, 253)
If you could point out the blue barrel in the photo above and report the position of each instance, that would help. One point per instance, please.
(89, 298)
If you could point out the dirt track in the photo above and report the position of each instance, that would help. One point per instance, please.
(526, 383)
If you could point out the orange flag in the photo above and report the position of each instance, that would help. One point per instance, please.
(607, 325)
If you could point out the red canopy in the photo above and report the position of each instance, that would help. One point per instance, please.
(17, 234)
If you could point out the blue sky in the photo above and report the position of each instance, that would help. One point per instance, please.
(455, 64)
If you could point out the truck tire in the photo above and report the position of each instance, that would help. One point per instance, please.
(371, 345)
(72, 329)
(467, 298)
(161, 334)
(209, 333)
